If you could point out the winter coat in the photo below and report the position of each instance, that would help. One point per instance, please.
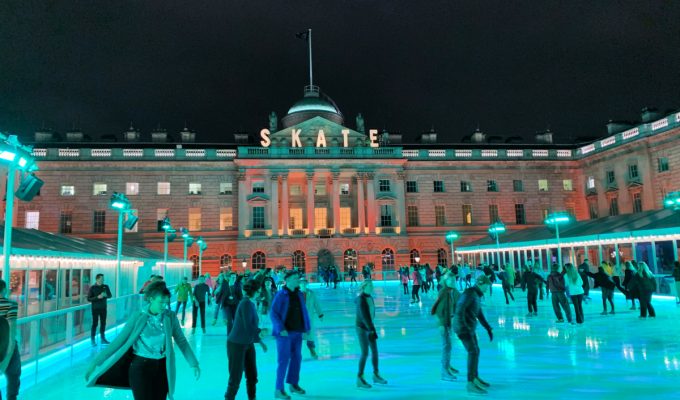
(602, 279)
(556, 282)
(279, 310)
(574, 288)
(365, 312)
(444, 307)
(468, 312)
(313, 309)
(530, 281)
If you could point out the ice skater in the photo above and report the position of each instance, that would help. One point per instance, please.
(415, 286)
(313, 308)
(557, 289)
(367, 334)
(507, 280)
(444, 308)
(644, 285)
(574, 285)
(530, 282)
(606, 284)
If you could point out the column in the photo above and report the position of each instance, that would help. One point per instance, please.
(242, 204)
(655, 266)
(285, 208)
(361, 204)
(370, 202)
(310, 203)
(586, 256)
(401, 202)
(675, 250)
(335, 196)
(274, 206)
(540, 258)
(599, 255)
(618, 257)
(572, 256)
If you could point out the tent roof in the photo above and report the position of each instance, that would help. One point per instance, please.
(664, 222)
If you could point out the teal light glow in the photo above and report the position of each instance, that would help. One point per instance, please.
(22, 162)
(451, 236)
(118, 204)
(497, 228)
(7, 155)
(672, 200)
(558, 218)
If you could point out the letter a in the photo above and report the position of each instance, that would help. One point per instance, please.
(321, 139)
(295, 138)
(264, 134)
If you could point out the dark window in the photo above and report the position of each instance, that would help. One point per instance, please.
(493, 213)
(388, 260)
(195, 267)
(258, 260)
(386, 215)
(465, 186)
(637, 202)
(384, 185)
(66, 222)
(225, 260)
(517, 185)
(412, 256)
(438, 186)
(613, 207)
(663, 164)
(592, 210)
(412, 215)
(611, 178)
(299, 259)
(99, 221)
(411, 187)
(439, 215)
(633, 171)
(520, 218)
(491, 186)
(258, 217)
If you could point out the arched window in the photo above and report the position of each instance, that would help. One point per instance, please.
(195, 268)
(387, 259)
(349, 259)
(299, 259)
(258, 261)
(225, 261)
(412, 256)
(441, 258)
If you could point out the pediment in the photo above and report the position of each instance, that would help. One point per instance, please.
(309, 133)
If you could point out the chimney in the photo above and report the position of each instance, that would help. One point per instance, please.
(544, 137)
(159, 135)
(650, 114)
(360, 124)
(478, 136)
(241, 137)
(273, 122)
(614, 127)
(187, 136)
(429, 137)
(74, 136)
(131, 135)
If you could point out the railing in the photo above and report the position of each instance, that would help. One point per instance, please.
(350, 231)
(298, 232)
(325, 232)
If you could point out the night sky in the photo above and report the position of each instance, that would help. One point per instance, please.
(511, 67)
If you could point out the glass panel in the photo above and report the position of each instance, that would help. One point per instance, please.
(17, 289)
(34, 291)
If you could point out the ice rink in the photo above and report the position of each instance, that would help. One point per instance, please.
(609, 357)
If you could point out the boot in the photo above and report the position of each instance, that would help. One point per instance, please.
(452, 370)
(93, 341)
(474, 389)
(446, 375)
(479, 382)
(379, 379)
(361, 383)
(297, 389)
(281, 394)
(104, 341)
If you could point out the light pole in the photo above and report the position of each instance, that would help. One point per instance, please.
(188, 241)
(451, 237)
(202, 245)
(16, 157)
(120, 203)
(555, 220)
(495, 230)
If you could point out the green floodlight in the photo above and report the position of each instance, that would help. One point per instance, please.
(452, 236)
(120, 202)
(672, 200)
(7, 155)
(496, 228)
(185, 232)
(22, 162)
(558, 218)
(166, 224)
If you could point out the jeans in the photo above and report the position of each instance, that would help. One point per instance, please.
(289, 359)
(98, 314)
(182, 304)
(646, 305)
(507, 291)
(560, 299)
(414, 292)
(199, 305)
(241, 358)
(470, 343)
(228, 313)
(13, 374)
(148, 379)
(578, 307)
(446, 348)
(365, 342)
(531, 300)
(607, 295)
(405, 288)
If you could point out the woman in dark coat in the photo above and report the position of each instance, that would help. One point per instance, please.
(607, 286)
(644, 284)
(628, 272)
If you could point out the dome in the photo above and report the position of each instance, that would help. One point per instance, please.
(313, 104)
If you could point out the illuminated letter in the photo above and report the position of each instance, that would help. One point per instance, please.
(295, 138)
(264, 134)
(321, 139)
(373, 135)
(345, 138)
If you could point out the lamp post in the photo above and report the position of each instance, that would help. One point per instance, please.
(555, 220)
(672, 201)
(451, 237)
(166, 226)
(202, 245)
(120, 203)
(495, 230)
(188, 241)
(16, 157)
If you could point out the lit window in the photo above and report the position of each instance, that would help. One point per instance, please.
(465, 186)
(345, 217)
(99, 189)
(384, 185)
(320, 218)
(467, 214)
(258, 260)
(132, 188)
(320, 189)
(195, 219)
(295, 190)
(568, 185)
(295, 218)
(68, 190)
(194, 188)
(32, 219)
(344, 189)
(542, 185)
(226, 218)
(226, 188)
(438, 186)
(591, 182)
(163, 188)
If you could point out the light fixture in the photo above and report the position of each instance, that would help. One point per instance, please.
(244, 263)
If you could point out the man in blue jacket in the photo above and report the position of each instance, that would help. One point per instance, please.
(290, 322)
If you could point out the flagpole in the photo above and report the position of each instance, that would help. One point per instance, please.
(311, 82)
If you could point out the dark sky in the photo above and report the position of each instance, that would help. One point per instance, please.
(513, 67)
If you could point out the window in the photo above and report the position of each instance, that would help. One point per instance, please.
(386, 215)
(493, 213)
(68, 190)
(345, 217)
(128, 215)
(517, 185)
(225, 260)
(99, 189)
(226, 218)
(544, 212)
(465, 186)
(613, 207)
(411, 187)
(161, 213)
(542, 185)
(412, 256)
(320, 189)
(163, 188)
(520, 217)
(611, 178)
(320, 218)
(663, 164)
(412, 215)
(637, 202)
(258, 260)
(350, 259)
(66, 222)
(258, 186)
(226, 188)
(591, 182)
(32, 219)
(194, 188)
(467, 214)
(592, 210)
(387, 260)
(491, 186)
(633, 171)
(568, 185)
(299, 259)
(344, 189)
(295, 218)
(99, 221)
(258, 217)
(132, 188)
(195, 219)
(195, 267)
(442, 259)
(384, 185)
(295, 190)
(439, 215)
(438, 186)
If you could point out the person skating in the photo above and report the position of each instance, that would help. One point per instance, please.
(644, 284)
(367, 334)
(97, 295)
(313, 308)
(583, 268)
(468, 312)
(574, 285)
(182, 293)
(507, 280)
(290, 322)
(404, 279)
(10, 365)
(530, 283)
(557, 288)
(241, 343)
(444, 309)
(629, 271)
(228, 299)
(606, 284)
(200, 294)
(415, 286)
